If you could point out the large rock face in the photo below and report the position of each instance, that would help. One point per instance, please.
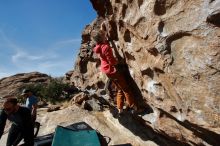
(172, 49)
(11, 85)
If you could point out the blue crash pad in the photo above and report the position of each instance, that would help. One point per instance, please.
(69, 137)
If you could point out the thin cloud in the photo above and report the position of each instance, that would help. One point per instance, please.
(69, 41)
(68, 44)
(8, 42)
(54, 68)
(21, 56)
(5, 74)
(51, 61)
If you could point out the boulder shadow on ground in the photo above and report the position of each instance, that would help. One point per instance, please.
(206, 135)
(139, 128)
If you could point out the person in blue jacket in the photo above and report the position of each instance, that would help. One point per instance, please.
(31, 103)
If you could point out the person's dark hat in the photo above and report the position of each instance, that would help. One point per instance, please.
(25, 91)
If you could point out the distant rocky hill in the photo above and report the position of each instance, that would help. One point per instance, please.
(172, 52)
(11, 85)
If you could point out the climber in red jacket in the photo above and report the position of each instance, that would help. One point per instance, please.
(108, 62)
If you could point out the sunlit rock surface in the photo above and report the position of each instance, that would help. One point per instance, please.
(100, 121)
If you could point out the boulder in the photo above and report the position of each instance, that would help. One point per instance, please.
(79, 98)
(171, 49)
(92, 105)
(52, 108)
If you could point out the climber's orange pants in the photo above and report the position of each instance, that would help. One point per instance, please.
(124, 92)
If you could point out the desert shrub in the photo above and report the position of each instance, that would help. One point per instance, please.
(54, 91)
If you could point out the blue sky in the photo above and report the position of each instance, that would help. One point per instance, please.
(41, 35)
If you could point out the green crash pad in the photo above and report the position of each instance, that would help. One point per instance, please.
(68, 137)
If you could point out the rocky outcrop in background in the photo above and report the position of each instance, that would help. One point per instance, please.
(172, 52)
(11, 85)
